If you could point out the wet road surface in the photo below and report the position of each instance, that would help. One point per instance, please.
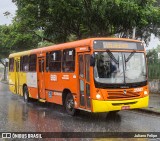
(18, 116)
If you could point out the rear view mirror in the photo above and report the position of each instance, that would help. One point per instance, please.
(92, 61)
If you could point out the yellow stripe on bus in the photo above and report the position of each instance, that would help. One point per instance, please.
(106, 106)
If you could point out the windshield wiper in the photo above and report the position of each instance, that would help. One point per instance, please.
(112, 56)
(129, 57)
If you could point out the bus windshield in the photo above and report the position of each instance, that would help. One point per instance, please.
(119, 67)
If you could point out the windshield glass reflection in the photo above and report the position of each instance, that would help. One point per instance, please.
(118, 67)
(135, 68)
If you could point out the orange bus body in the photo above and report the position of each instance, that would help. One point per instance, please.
(49, 80)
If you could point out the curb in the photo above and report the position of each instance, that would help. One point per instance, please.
(148, 110)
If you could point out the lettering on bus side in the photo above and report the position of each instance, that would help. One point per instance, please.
(57, 93)
(81, 49)
(53, 77)
(65, 77)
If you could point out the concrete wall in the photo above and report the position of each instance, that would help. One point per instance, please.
(154, 86)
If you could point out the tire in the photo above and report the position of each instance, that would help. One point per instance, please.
(114, 112)
(69, 105)
(26, 94)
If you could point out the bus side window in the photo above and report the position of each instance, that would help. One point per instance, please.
(47, 62)
(25, 63)
(68, 60)
(81, 66)
(11, 64)
(32, 62)
(21, 64)
(55, 61)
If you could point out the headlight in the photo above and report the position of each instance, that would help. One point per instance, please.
(98, 96)
(145, 93)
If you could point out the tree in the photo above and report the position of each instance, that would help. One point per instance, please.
(152, 56)
(153, 63)
(90, 18)
(14, 38)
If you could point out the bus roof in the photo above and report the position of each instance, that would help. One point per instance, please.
(20, 54)
(74, 44)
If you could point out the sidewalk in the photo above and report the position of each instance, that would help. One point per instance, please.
(154, 104)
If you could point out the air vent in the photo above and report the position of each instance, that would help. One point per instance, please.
(122, 94)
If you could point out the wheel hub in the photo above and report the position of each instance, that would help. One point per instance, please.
(70, 104)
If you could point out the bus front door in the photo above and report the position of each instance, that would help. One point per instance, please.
(41, 84)
(84, 80)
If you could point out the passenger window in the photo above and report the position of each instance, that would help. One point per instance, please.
(11, 64)
(41, 65)
(87, 65)
(69, 60)
(81, 66)
(32, 62)
(55, 61)
(25, 65)
(21, 63)
(47, 62)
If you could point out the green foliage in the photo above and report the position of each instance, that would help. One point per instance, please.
(154, 70)
(61, 19)
(154, 63)
(46, 21)
(15, 38)
(44, 44)
(152, 56)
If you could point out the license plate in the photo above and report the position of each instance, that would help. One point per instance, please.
(125, 107)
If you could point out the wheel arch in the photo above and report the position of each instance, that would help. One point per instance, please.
(64, 95)
(24, 85)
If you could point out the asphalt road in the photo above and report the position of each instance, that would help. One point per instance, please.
(18, 116)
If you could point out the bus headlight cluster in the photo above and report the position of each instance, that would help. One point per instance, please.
(145, 93)
(98, 96)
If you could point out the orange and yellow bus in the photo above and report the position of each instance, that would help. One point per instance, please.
(94, 75)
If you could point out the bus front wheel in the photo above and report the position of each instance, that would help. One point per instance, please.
(114, 112)
(26, 94)
(69, 105)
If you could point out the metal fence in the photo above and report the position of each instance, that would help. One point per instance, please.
(154, 75)
(154, 69)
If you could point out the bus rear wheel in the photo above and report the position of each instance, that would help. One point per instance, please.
(26, 94)
(69, 104)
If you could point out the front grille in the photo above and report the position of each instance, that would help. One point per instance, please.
(121, 94)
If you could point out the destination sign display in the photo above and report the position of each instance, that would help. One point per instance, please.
(124, 45)
(115, 45)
